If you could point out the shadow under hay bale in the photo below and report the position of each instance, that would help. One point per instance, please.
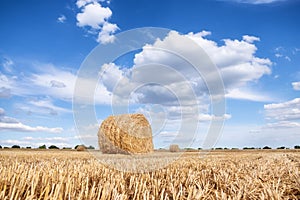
(125, 134)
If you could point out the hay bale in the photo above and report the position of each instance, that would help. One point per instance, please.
(174, 148)
(80, 148)
(127, 134)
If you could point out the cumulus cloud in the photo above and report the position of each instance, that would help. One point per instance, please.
(235, 60)
(81, 3)
(95, 17)
(285, 114)
(250, 39)
(296, 85)
(105, 35)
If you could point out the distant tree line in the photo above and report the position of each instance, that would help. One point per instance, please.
(173, 147)
(45, 147)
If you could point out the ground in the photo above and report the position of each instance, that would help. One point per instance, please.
(67, 174)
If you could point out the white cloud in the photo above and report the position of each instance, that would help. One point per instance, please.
(207, 117)
(8, 120)
(7, 64)
(282, 125)
(47, 82)
(7, 85)
(81, 3)
(106, 34)
(250, 39)
(61, 19)
(256, 1)
(296, 85)
(285, 114)
(5, 92)
(287, 58)
(110, 74)
(278, 55)
(280, 52)
(285, 105)
(235, 60)
(19, 127)
(247, 95)
(57, 84)
(263, 1)
(50, 82)
(12, 124)
(95, 17)
(42, 106)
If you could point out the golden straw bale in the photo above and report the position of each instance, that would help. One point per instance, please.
(127, 134)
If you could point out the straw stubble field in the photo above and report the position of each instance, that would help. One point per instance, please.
(219, 175)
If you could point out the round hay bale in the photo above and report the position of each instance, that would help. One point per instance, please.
(127, 134)
(80, 148)
(174, 148)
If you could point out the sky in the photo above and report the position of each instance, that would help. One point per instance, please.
(253, 47)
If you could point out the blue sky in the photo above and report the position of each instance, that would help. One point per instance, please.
(254, 44)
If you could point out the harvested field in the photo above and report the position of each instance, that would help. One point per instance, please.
(32, 174)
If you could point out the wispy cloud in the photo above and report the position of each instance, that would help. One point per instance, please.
(284, 114)
(12, 124)
(256, 2)
(61, 19)
(246, 94)
(19, 127)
